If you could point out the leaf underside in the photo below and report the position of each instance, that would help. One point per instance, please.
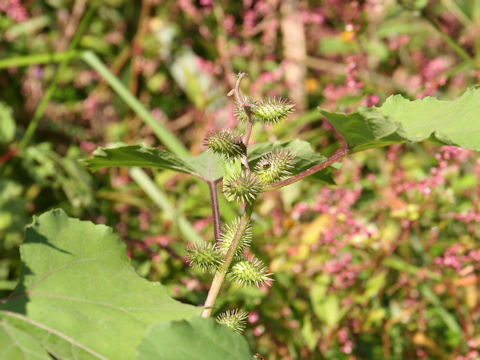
(137, 155)
(78, 297)
(455, 122)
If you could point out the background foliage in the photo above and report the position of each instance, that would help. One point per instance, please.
(383, 265)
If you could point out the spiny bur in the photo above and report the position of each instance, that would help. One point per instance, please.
(225, 143)
(273, 110)
(250, 272)
(243, 187)
(274, 166)
(234, 319)
(228, 233)
(204, 256)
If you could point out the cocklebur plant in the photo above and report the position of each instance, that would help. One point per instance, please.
(243, 186)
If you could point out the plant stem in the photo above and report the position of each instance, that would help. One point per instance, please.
(248, 129)
(244, 220)
(212, 185)
(336, 156)
(227, 260)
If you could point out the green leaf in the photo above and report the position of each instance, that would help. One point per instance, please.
(199, 339)
(7, 124)
(206, 166)
(79, 296)
(455, 122)
(305, 157)
(138, 156)
(17, 344)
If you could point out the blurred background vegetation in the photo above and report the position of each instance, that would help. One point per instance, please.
(383, 265)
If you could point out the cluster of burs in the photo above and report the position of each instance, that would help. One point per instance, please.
(243, 185)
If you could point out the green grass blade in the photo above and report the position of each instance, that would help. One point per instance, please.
(161, 200)
(166, 137)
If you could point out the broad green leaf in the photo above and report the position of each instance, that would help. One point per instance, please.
(7, 124)
(198, 338)
(205, 166)
(79, 296)
(17, 344)
(305, 156)
(138, 156)
(455, 122)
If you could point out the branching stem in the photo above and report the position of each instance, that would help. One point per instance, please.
(246, 107)
(335, 157)
(244, 220)
(227, 260)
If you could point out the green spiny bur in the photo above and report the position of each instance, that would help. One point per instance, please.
(228, 232)
(204, 256)
(234, 319)
(243, 187)
(274, 166)
(272, 110)
(250, 272)
(225, 143)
